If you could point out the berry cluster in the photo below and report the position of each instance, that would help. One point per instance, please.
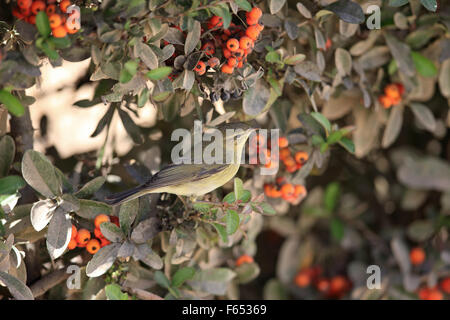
(57, 15)
(82, 238)
(237, 42)
(392, 95)
(292, 193)
(245, 258)
(335, 287)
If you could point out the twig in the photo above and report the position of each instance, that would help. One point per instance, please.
(142, 294)
(49, 281)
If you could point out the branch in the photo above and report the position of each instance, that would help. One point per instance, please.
(142, 294)
(49, 281)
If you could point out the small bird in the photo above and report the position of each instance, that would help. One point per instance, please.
(193, 180)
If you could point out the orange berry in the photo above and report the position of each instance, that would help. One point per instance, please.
(213, 62)
(200, 68)
(433, 294)
(100, 219)
(93, 246)
(70, 29)
(245, 258)
(392, 91)
(64, 4)
(396, 101)
(417, 256)
(72, 244)
(245, 43)
(25, 11)
(227, 69)
(74, 232)
(339, 285)
(287, 189)
(445, 285)
(104, 242)
(98, 233)
(424, 293)
(83, 236)
(385, 101)
(280, 180)
(290, 162)
(301, 157)
(328, 44)
(260, 27)
(31, 19)
(59, 32)
(51, 9)
(251, 22)
(215, 21)
(232, 62)
(401, 88)
(226, 53)
(255, 13)
(16, 13)
(323, 285)
(252, 32)
(233, 45)
(25, 4)
(55, 20)
(239, 53)
(302, 279)
(299, 190)
(209, 48)
(284, 153)
(283, 142)
(37, 6)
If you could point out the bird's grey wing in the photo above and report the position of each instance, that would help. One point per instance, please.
(181, 173)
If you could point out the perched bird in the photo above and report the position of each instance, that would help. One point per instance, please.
(194, 180)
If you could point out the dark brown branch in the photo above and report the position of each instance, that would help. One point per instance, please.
(49, 281)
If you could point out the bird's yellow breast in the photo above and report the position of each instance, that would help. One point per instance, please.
(202, 186)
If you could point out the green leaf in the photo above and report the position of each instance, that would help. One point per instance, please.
(42, 24)
(125, 76)
(90, 187)
(397, 3)
(431, 5)
(273, 57)
(202, 207)
(337, 229)
(423, 65)
(331, 197)
(182, 275)
(232, 221)
(292, 60)
(127, 214)
(11, 103)
(7, 152)
(221, 231)
(263, 208)
(244, 4)
(224, 13)
(112, 232)
(347, 144)
(238, 188)
(131, 66)
(113, 292)
(143, 97)
(159, 73)
(335, 137)
(40, 174)
(322, 120)
(161, 279)
(11, 184)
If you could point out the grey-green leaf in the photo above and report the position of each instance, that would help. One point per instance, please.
(41, 213)
(393, 126)
(192, 38)
(59, 233)
(112, 232)
(102, 260)
(424, 116)
(17, 288)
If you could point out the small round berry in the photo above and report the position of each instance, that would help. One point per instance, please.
(93, 246)
(226, 53)
(392, 91)
(209, 48)
(59, 32)
(227, 69)
(323, 285)
(299, 190)
(100, 219)
(16, 13)
(301, 157)
(233, 45)
(255, 13)
(417, 256)
(200, 68)
(245, 43)
(55, 20)
(51, 9)
(445, 285)
(63, 5)
(302, 279)
(74, 232)
(283, 142)
(232, 62)
(98, 233)
(31, 19)
(72, 244)
(214, 22)
(252, 32)
(284, 153)
(37, 6)
(83, 236)
(104, 242)
(287, 189)
(24, 4)
(245, 258)
(213, 62)
(385, 101)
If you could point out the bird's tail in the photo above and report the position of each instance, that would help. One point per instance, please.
(127, 195)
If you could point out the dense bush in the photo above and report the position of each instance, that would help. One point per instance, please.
(358, 89)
